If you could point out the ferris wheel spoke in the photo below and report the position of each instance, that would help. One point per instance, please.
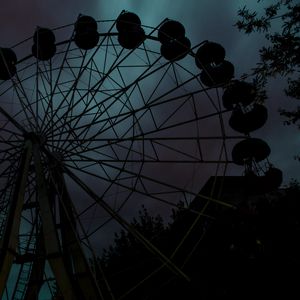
(70, 133)
(179, 124)
(165, 128)
(144, 102)
(75, 81)
(43, 96)
(123, 117)
(133, 85)
(83, 134)
(25, 103)
(37, 94)
(12, 120)
(122, 185)
(137, 86)
(95, 87)
(165, 186)
(12, 140)
(123, 103)
(69, 125)
(117, 94)
(129, 227)
(58, 78)
(100, 110)
(117, 207)
(145, 192)
(147, 151)
(152, 161)
(30, 102)
(49, 109)
(160, 184)
(222, 126)
(86, 129)
(14, 150)
(56, 128)
(72, 97)
(157, 128)
(144, 135)
(7, 156)
(197, 127)
(7, 173)
(63, 103)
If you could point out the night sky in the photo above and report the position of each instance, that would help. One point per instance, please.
(203, 20)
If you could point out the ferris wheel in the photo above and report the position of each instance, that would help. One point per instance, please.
(97, 119)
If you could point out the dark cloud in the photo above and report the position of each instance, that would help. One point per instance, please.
(212, 20)
(203, 20)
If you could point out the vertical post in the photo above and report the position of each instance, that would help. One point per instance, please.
(37, 272)
(9, 242)
(51, 240)
(72, 247)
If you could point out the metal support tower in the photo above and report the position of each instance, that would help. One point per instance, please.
(53, 233)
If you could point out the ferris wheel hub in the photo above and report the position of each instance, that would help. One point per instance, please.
(35, 138)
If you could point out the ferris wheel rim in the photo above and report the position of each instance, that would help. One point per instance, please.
(138, 174)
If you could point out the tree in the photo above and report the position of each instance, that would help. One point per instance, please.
(133, 272)
(247, 253)
(280, 23)
(127, 261)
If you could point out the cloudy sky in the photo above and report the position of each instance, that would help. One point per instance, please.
(203, 20)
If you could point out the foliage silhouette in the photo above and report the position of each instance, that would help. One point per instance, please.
(127, 261)
(280, 23)
(247, 253)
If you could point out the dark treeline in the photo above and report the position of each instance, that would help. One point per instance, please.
(245, 253)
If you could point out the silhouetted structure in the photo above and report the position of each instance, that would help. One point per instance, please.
(231, 250)
(86, 110)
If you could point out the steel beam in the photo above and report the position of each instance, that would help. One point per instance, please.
(71, 245)
(127, 226)
(36, 278)
(9, 241)
(51, 239)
